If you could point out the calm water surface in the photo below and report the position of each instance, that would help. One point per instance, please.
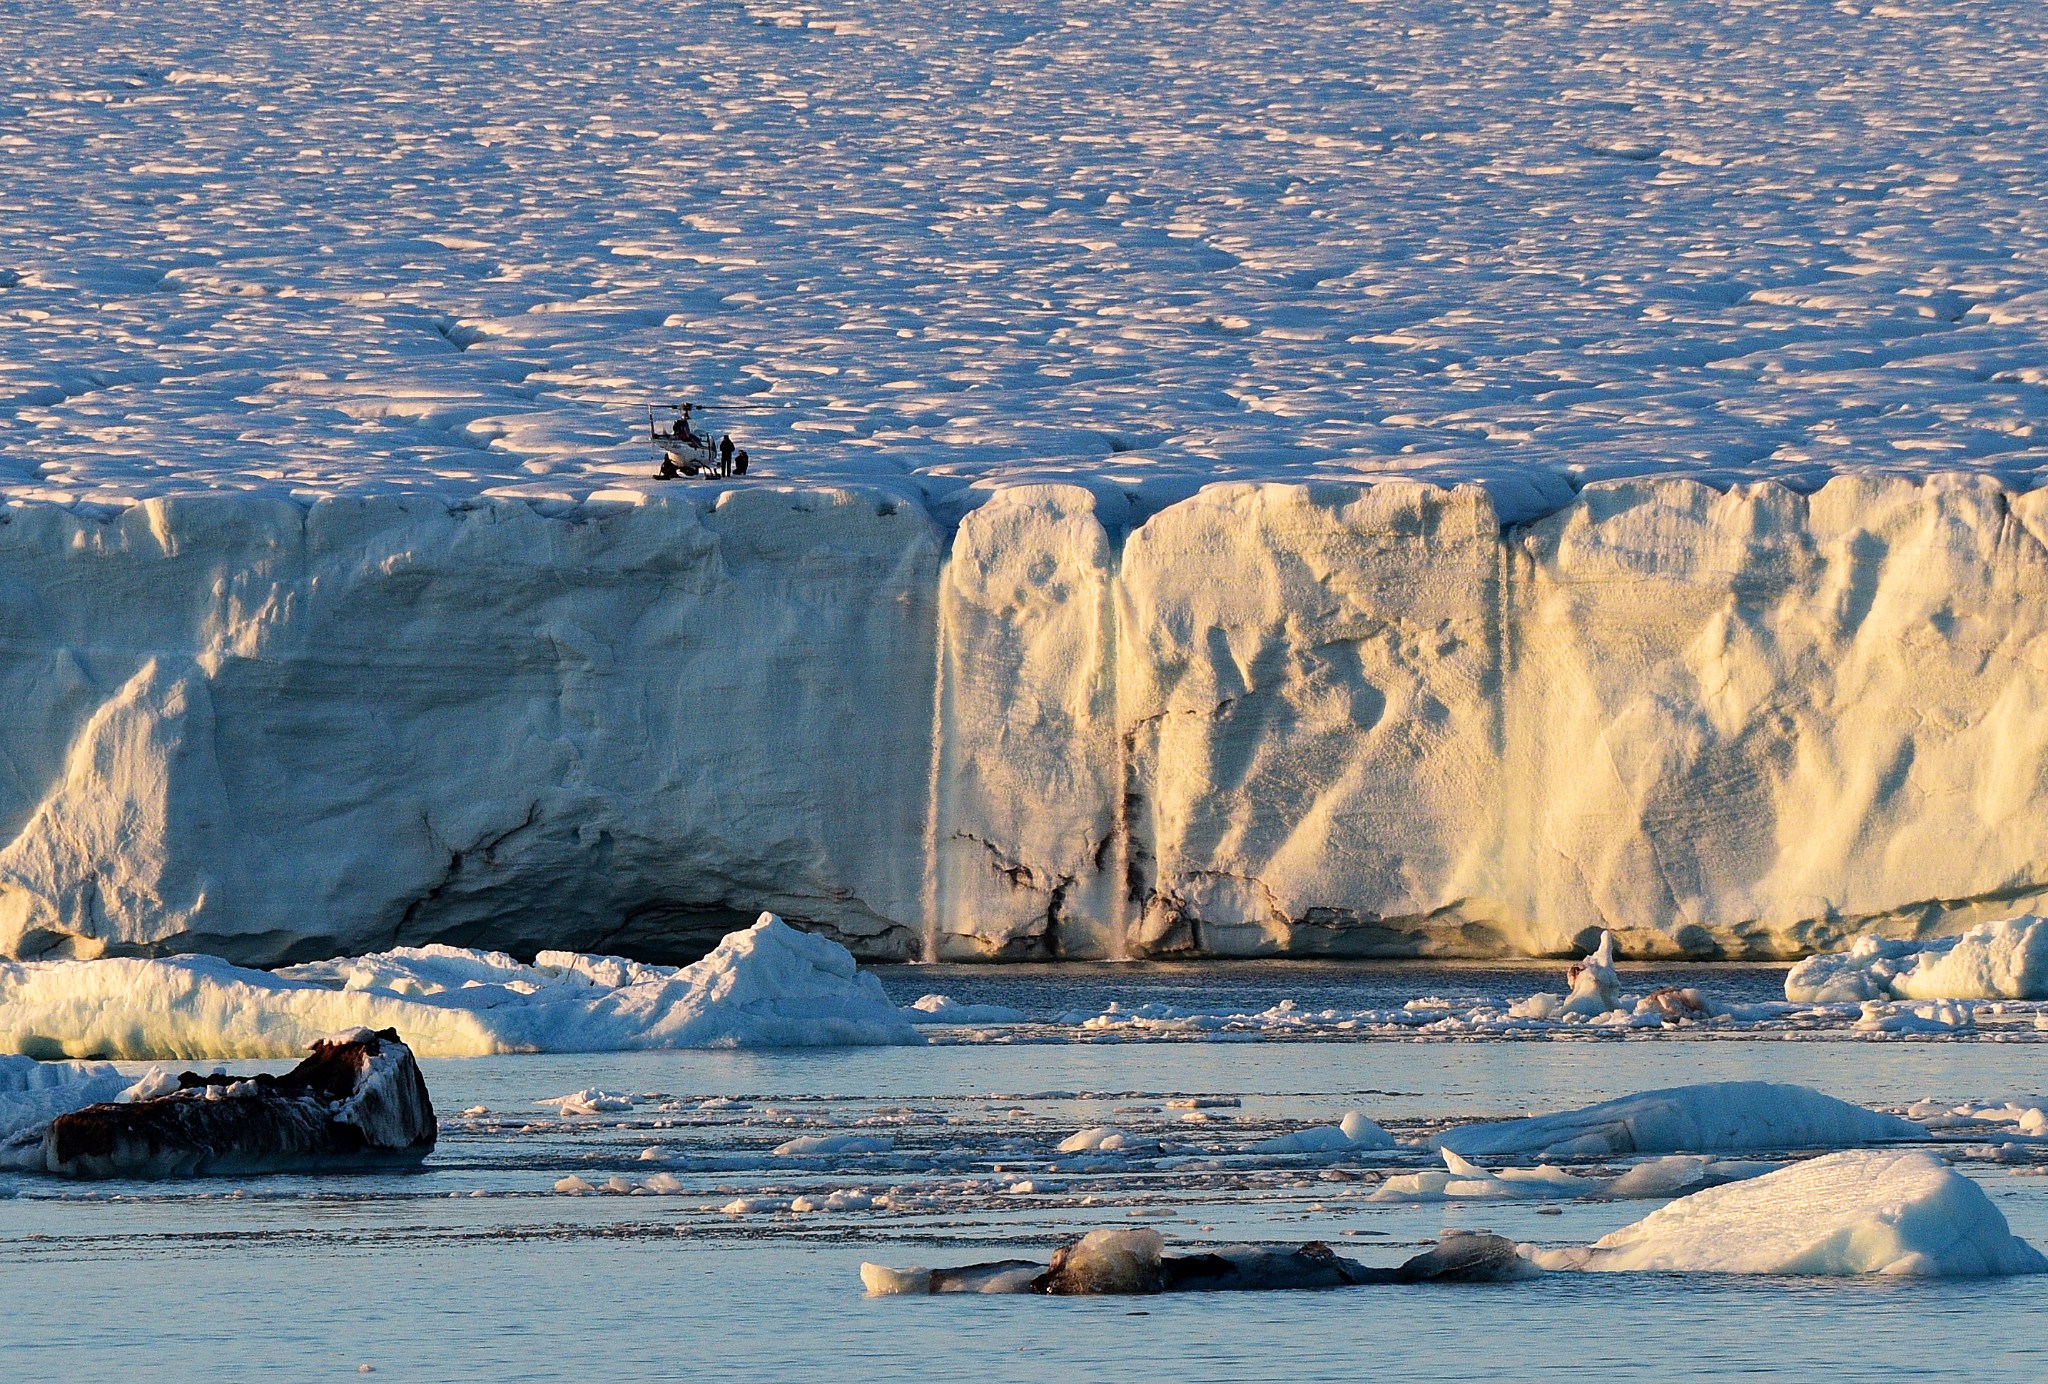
(475, 1269)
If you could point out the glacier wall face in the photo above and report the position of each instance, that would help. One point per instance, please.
(1273, 718)
(1367, 721)
(273, 733)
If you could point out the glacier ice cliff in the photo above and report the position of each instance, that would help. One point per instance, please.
(1270, 718)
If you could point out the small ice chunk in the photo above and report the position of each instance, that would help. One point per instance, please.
(944, 1009)
(1094, 1139)
(1595, 986)
(574, 1186)
(881, 1281)
(747, 1206)
(2004, 960)
(591, 1101)
(822, 1144)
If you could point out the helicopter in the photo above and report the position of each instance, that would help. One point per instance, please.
(681, 449)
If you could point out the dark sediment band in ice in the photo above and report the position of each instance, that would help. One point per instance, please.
(1118, 1262)
(359, 1100)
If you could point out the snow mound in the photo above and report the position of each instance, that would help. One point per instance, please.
(1861, 1211)
(2006, 960)
(767, 986)
(1719, 1117)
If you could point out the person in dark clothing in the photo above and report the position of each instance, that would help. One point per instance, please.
(725, 455)
(739, 462)
(668, 470)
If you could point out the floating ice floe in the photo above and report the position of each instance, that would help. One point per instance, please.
(1943, 1017)
(944, 1009)
(1718, 1117)
(1860, 1211)
(767, 986)
(2028, 1117)
(2006, 960)
(1135, 1262)
(592, 1101)
(1461, 1180)
(1595, 989)
(34, 1093)
(821, 1144)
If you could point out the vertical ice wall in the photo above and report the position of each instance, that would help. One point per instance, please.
(1365, 720)
(1312, 692)
(1029, 769)
(1273, 718)
(238, 726)
(1755, 722)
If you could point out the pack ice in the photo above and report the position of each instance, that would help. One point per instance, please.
(1859, 1211)
(766, 986)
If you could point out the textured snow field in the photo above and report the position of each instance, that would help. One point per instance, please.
(479, 1268)
(314, 248)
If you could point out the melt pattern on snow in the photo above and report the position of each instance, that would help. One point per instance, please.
(326, 249)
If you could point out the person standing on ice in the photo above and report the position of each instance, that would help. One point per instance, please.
(725, 455)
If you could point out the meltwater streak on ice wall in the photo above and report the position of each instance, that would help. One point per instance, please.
(1288, 718)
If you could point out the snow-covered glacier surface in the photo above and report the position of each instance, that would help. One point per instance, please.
(1620, 434)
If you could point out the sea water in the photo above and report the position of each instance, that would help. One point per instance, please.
(476, 1267)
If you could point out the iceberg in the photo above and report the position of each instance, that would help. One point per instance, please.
(1718, 1117)
(358, 1101)
(2002, 960)
(767, 986)
(1855, 1212)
